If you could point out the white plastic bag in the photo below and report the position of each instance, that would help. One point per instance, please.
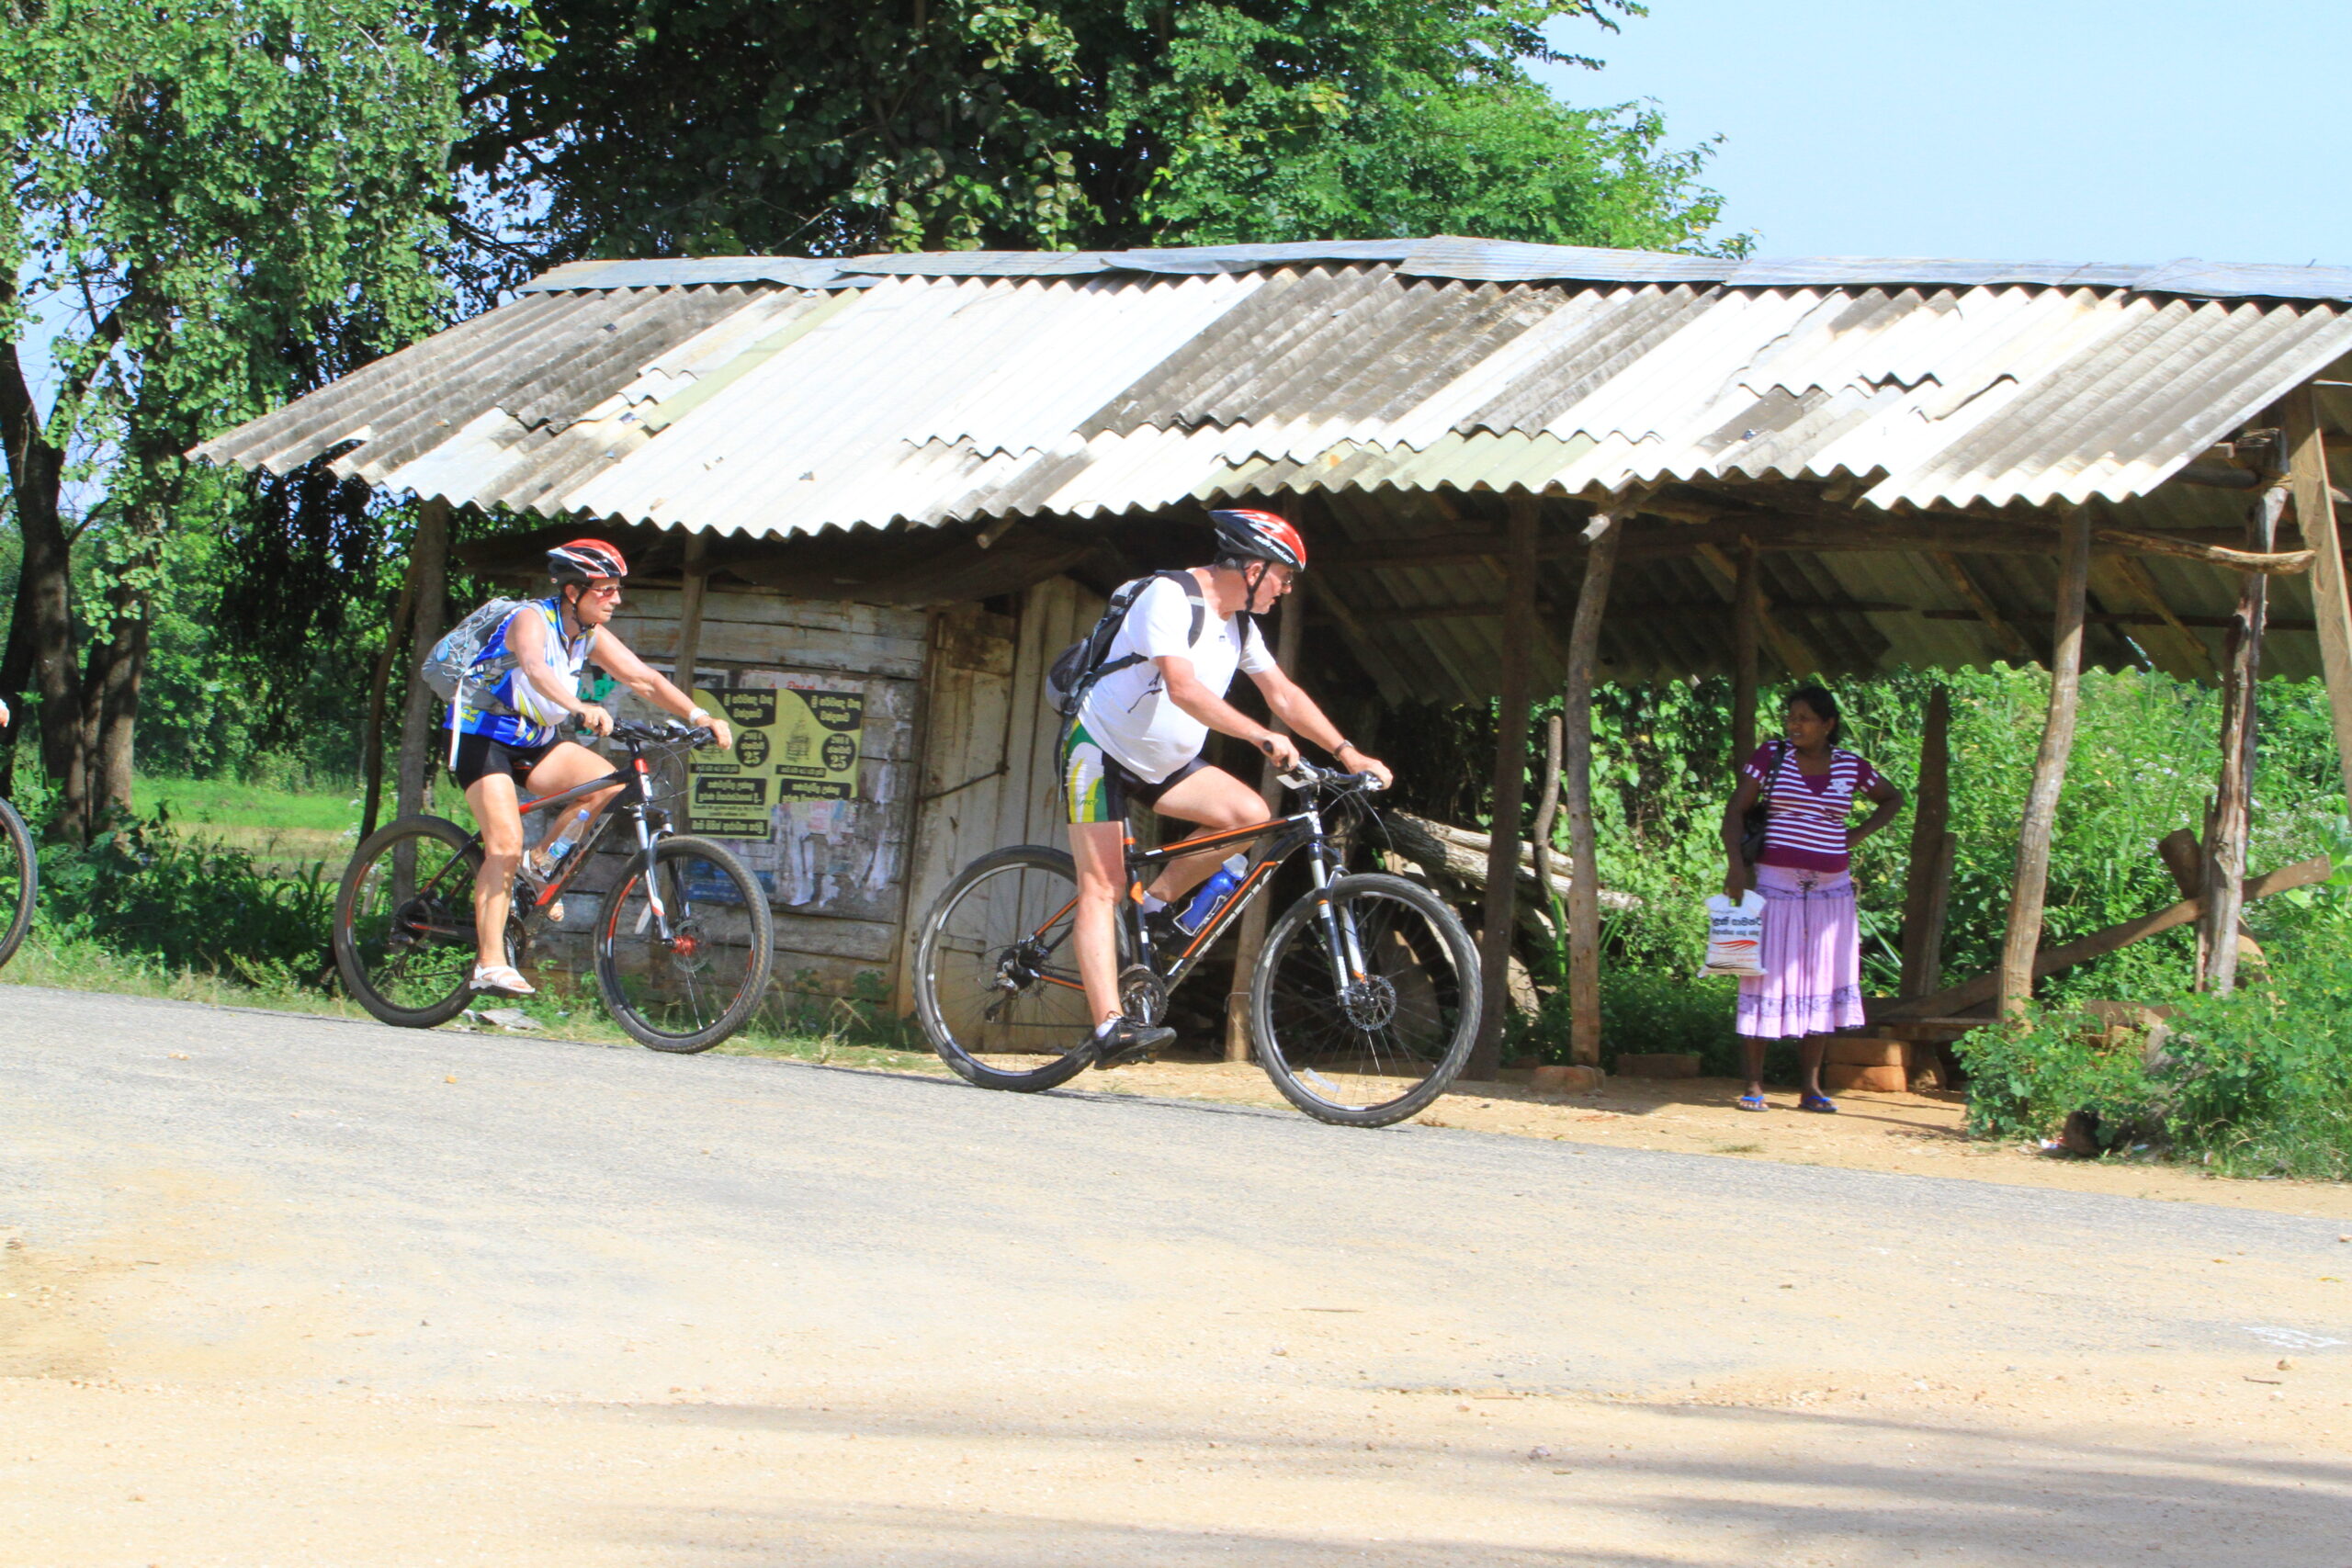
(1735, 936)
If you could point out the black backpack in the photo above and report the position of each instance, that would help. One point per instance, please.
(1084, 662)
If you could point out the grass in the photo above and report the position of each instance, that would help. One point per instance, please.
(283, 830)
(89, 966)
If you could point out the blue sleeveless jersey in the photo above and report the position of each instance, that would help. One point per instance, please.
(529, 719)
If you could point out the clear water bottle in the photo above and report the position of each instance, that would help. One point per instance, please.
(566, 841)
(1210, 896)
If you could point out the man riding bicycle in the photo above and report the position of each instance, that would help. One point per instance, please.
(1137, 738)
(505, 728)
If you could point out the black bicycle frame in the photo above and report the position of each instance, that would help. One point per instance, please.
(631, 801)
(1277, 841)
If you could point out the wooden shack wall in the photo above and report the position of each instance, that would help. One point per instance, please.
(988, 776)
(836, 878)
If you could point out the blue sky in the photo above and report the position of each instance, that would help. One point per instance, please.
(2062, 129)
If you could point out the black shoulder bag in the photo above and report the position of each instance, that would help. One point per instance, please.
(1751, 826)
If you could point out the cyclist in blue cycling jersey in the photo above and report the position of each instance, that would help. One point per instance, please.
(521, 688)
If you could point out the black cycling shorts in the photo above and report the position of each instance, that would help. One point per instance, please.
(479, 757)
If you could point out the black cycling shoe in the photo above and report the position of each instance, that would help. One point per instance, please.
(1128, 1042)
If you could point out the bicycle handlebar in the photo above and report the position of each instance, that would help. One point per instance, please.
(1308, 776)
(669, 733)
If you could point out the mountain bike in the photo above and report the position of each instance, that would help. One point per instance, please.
(1363, 1005)
(19, 881)
(682, 938)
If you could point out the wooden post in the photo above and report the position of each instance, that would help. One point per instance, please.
(1605, 531)
(428, 567)
(1509, 790)
(2316, 516)
(1928, 886)
(371, 752)
(692, 580)
(1747, 616)
(2225, 838)
(1548, 811)
(2024, 938)
(1250, 938)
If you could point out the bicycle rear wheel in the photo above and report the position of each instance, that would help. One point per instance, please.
(689, 991)
(405, 922)
(1383, 1045)
(19, 881)
(995, 983)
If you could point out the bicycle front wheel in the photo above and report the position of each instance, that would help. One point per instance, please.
(689, 990)
(405, 922)
(19, 881)
(1367, 1037)
(995, 983)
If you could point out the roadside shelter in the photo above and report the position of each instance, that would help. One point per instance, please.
(905, 480)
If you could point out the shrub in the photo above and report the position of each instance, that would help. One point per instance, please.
(140, 888)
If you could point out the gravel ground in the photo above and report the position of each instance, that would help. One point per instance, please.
(288, 1289)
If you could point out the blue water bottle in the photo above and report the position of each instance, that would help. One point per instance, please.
(1211, 895)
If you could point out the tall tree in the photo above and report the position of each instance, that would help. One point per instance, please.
(655, 126)
(204, 191)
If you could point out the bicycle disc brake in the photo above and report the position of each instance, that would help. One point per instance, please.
(1143, 995)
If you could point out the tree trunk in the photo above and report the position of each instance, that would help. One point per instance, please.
(2225, 840)
(428, 567)
(1747, 616)
(1605, 531)
(1926, 890)
(1510, 794)
(372, 744)
(1548, 811)
(2023, 939)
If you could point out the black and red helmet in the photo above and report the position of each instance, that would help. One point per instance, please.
(1259, 536)
(585, 560)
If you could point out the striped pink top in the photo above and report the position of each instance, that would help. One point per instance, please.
(1806, 818)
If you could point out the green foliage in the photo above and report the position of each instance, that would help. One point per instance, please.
(140, 888)
(637, 126)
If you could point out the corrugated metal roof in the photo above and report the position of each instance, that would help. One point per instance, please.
(777, 398)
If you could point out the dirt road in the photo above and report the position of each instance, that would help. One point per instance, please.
(277, 1290)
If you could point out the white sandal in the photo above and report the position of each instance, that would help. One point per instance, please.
(501, 980)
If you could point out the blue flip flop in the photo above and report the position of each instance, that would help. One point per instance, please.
(1753, 1102)
(1821, 1104)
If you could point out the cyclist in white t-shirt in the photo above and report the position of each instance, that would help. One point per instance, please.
(1137, 738)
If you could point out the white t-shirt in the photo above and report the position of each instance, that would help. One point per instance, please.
(1128, 712)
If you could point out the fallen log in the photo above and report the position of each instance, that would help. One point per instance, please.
(1974, 993)
(1455, 861)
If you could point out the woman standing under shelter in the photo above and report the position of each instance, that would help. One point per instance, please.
(1813, 955)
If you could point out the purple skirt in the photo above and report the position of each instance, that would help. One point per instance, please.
(1813, 958)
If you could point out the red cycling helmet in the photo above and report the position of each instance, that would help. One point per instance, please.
(1259, 536)
(585, 560)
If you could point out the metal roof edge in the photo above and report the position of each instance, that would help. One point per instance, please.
(1468, 259)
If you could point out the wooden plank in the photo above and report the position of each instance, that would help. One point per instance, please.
(2011, 641)
(2186, 657)
(1747, 616)
(2099, 943)
(2225, 840)
(1510, 786)
(2316, 516)
(737, 604)
(2184, 858)
(1251, 940)
(691, 598)
(963, 749)
(1796, 656)
(1361, 642)
(779, 648)
(1928, 885)
(1584, 887)
(2031, 882)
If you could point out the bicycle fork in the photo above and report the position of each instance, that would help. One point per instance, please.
(1340, 941)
